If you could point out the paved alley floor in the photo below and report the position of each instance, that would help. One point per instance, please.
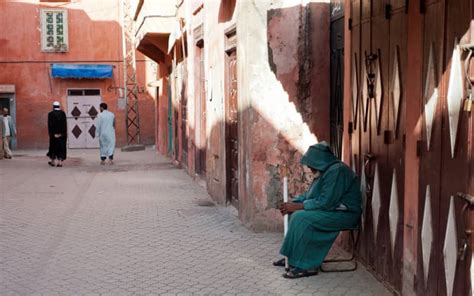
(138, 227)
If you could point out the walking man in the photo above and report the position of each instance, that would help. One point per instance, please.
(9, 131)
(106, 131)
(57, 129)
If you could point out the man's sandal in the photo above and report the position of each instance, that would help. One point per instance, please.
(280, 263)
(296, 273)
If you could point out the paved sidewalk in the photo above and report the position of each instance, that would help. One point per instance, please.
(139, 227)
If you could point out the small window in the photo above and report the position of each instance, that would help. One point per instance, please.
(54, 30)
(83, 92)
(92, 92)
(75, 92)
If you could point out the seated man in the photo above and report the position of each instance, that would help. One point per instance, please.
(332, 203)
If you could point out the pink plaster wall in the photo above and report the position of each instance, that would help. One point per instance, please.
(299, 58)
(215, 75)
(162, 110)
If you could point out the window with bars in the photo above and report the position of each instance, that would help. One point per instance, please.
(54, 30)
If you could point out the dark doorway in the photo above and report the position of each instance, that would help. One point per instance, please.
(200, 93)
(231, 127)
(337, 74)
(7, 100)
(4, 103)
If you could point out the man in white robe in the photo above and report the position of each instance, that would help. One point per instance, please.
(106, 132)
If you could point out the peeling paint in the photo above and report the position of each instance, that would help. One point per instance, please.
(305, 64)
(270, 59)
(280, 95)
(274, 187)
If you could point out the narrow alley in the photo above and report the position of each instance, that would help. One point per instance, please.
(141, 226)
(346, 125)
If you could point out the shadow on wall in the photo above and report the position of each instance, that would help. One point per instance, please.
(29, 69)
(299, 61)
(299, 57)
(260, 188)
(146, 101)
(298, 65)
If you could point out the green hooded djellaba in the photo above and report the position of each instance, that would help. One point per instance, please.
(332, 203)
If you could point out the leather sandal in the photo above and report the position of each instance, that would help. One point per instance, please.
(280, 263)
(296, 273)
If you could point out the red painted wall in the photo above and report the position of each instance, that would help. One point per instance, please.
(161, 107)
(94, 37)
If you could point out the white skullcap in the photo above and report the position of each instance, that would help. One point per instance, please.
(56, 104)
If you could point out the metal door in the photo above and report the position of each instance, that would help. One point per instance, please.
(232, 138)
(445, 150)
(378, 63)
(337, 74)
(82, 114)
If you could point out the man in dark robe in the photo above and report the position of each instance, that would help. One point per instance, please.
(57, 129)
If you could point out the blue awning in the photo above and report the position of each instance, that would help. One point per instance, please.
(85, 71)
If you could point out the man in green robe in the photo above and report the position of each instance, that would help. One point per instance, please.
(332, 203)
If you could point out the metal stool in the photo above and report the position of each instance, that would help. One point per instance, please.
(355, 235)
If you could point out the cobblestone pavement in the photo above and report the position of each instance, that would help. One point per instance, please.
(139, 227)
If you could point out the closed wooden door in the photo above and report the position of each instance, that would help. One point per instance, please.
(203, 118)
(445, 150)
(232, 137)
(337, 74)
(170, 118)
(377, 129)
(200, 99)
(182, 78)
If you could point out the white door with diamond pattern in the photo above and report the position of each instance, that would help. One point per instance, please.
(82, 114)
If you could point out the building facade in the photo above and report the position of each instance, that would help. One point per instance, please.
(235, 91)
(244, 87)
(71, 52)
(221, 109)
